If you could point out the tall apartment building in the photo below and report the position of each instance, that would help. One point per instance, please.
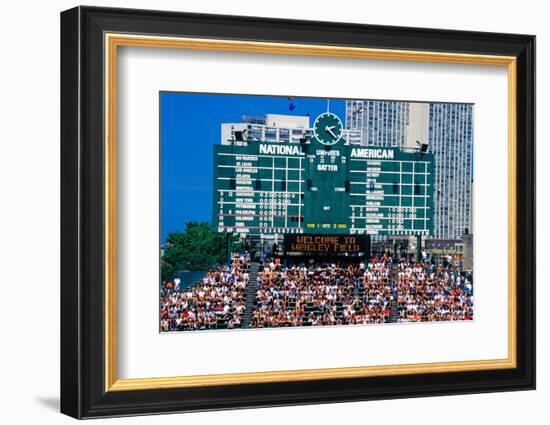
(447, 128)
(380, 123)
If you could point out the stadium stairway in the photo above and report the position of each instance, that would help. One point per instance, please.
(394, 309)
(250, 294)
(394, 313)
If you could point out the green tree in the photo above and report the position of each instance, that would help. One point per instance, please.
(198, 248)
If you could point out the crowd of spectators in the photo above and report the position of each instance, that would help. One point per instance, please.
(327, 294)
(376, 291)
(217, 302)
(426, 293)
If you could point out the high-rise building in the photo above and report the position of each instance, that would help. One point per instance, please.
(380, 123)
(270, 128)
(447, 129)
(451, 139)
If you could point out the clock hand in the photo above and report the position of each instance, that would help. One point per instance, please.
(329, 130)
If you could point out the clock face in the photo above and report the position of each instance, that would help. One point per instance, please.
(328, 128)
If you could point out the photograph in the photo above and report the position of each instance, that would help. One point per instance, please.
(287, 211)
(284, 209)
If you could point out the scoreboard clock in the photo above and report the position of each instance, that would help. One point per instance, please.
(328, 129)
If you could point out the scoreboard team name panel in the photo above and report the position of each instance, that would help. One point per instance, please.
(268, 188)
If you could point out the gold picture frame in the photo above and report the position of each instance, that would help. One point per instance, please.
(114, 41)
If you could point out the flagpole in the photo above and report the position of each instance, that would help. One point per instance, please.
(328, 105)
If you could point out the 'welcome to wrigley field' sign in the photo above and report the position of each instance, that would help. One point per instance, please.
(326, 244)
(314, 189)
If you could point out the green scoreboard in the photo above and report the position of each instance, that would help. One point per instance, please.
(322, 187)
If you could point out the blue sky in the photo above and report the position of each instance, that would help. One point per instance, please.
(190, 126)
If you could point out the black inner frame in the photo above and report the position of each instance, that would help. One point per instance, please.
(82, 212)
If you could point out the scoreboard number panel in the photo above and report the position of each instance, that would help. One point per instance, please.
(391, 192)
(258, 188)
(322, 187)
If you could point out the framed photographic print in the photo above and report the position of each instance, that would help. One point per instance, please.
(261, 212)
